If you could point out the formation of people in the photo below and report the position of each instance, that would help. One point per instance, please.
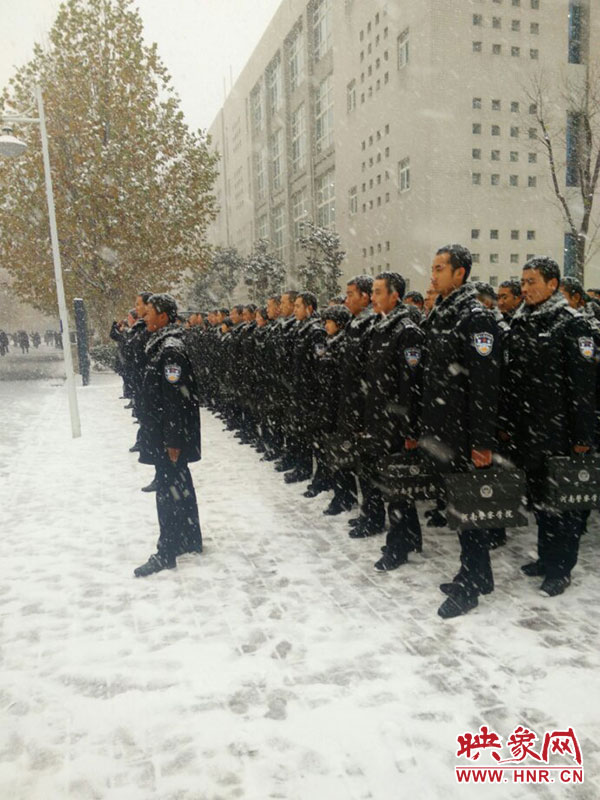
(20, 339)
(457, 378)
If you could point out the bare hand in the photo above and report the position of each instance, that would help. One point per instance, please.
(481, 458)
(173, 454)
(410, 444)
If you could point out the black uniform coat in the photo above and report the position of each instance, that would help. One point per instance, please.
(393, 378)
(308, 342)
(548, 399)
(330, 358)
(460, 379)
(169, 413)
(353, 386)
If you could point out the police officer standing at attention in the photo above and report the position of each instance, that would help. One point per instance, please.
(548, 408)
(460, 400)
(170, 435)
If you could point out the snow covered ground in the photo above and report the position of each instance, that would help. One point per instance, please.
(276, 665)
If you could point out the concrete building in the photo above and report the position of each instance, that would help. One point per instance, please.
(405, 124)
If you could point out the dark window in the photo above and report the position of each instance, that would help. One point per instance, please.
(570, 254)
(573, 147)
(578, 22)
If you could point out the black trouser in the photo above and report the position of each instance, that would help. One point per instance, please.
(404, 535)
(475, 565)
(344, 486)
(177, 509)
(373, 507)
(558, 541)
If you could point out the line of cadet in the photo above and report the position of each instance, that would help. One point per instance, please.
(377, 376)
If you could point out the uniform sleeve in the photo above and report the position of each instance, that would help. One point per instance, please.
(581, 381)
(177, 385)
(411, 376)
(482, 361)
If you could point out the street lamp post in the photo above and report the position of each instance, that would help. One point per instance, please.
(10, 146)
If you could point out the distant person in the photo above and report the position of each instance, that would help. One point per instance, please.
(3, 343)
(509, 298)
(23, 340)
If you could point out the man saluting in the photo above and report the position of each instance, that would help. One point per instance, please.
(170, 424)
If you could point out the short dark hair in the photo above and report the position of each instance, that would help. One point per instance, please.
(223, 311)
(460, 256)
(338, 314)
(485, 289)
(251, 307)
(364, 284)
(416, 296)
(227, 321)
(309, 299)
(275, 297)
(262, 310)
(394, 282)
(596, 291)
(145, 296)
(239, 308)
(132, 312)
(164, 303)
(339, 300)
(513, 285)
(573, 286)
(546, 266)
(291, 293)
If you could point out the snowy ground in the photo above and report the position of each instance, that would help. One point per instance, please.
(276, 665)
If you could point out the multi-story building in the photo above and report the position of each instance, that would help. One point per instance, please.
(406, 125)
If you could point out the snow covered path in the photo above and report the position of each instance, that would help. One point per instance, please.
(276, 665)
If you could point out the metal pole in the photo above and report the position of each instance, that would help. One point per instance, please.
(62, 305)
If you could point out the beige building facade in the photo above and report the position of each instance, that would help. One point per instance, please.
(405, 125)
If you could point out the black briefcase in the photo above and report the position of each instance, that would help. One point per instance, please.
(573, 482)
(404, 476)
(485, 498)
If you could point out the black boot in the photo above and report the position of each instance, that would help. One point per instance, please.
(135, 448)
(297, 475)
(533, 569)
(154, 564)
(457, 604)
(152, 487)
(554, 586)
(338, 506)
(366, 527)
(484, 586)
(390, 560)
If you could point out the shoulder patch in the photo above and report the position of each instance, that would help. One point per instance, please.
(412, 356)
(173, 373)
(483, 343)
(586, 346)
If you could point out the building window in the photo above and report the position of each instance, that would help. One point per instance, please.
(262, 227)
(514, 235)
(535, 4)
(514, 107)
(570, 248)
(476, 127)
(496, 105)
(533, 108)
(534, 54)
(256, 109)
(514, 156)
(496, 49)
(476, 153)
(387, 128)
(477, 102)
(322, 33)
(530, 235)
(353, 200)
(578, 23)
(324, 115)
(516, 25)
(495, 155)
(325, 195)
(496, 22)
(259, 172)
(403, 49)
(277, 158)
(495, 130)
(494, 259)
(494, 280)
(351, 96)
(534, 27)
(477, 47)
(514, 258)
(514, 132)
(532, 133)
(298, 135)
(274, 88)
(532, 181)
(516, 3)
(475, 233)
(476, 178)
(278, 218)
(387, 152)
(494, 234)
(515, 52)
(404, 175)
(513, 180)
(477, 19)
(475, 259)
(532, 158)
(296, 61)
(574, 131)
(299, 211)
(495, 180)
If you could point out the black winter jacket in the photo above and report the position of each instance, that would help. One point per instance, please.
(354, 367)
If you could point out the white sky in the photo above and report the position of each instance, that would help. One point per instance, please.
(198, 40)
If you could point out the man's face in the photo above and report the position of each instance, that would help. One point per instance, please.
(220, 317)
(260, 320)
(507, 302)
(485, 300)
(140, 306)
(383, 300)
(574, 301)
(154, 320)
(287, 306)
(535, 289)
(247, 315)
(431, 296)
(356, 301)
(410, 301)
(235, 316)
(443, 279)
(300, 310)
(192, 320)
(224, 328)
(272, 308)
(331, 327)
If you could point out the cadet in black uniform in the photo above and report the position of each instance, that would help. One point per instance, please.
(460, 400)
(170, 435)
(548, 408)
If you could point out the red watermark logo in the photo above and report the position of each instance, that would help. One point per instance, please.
(556, 758)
